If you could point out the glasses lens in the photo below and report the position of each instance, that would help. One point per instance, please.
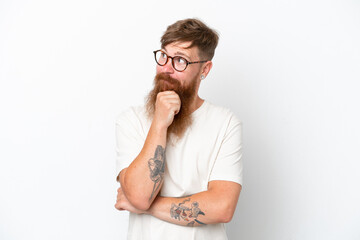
(180, 63)
(161, 58)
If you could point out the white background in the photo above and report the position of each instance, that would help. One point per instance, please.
(288, 69)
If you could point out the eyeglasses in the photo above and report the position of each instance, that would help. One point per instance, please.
(178, 63)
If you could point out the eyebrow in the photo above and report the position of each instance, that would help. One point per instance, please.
(180, 54)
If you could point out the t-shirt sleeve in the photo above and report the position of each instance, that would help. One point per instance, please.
(129, 140)
(228, 165)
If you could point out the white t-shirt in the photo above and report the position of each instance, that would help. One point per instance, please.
(210, 149)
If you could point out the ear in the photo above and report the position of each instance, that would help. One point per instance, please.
(206, 68)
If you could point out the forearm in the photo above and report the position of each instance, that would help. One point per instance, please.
(142, 180)
(206, 207)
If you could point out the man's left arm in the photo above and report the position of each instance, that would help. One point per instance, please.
(216, 205)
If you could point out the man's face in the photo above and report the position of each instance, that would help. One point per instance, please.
(187, 77)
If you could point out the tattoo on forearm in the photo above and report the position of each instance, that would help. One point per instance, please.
(188, 214)
(157, 168)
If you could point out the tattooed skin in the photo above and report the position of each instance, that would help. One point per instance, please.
(187, 214)
(157, 168)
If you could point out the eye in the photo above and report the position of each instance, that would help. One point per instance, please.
(180, 60)
(163, 55)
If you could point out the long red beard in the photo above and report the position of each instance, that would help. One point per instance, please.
(182, 120)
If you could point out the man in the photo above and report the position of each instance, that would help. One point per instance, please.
(179, 157)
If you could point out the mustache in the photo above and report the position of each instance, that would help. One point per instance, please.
(167, 78)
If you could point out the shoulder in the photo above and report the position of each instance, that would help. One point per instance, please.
(132, 115)
(221, 113)
(131, 112)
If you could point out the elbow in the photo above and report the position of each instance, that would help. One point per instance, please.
(140, 203)
(134, 195)
(137, 199)
(226, 218)
(227, 213)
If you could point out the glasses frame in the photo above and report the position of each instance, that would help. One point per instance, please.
(172, 60)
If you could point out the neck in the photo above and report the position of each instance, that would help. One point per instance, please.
(196, 104)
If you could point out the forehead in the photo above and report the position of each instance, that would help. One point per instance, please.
(180, 49)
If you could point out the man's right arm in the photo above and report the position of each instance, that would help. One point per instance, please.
(142, 179)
